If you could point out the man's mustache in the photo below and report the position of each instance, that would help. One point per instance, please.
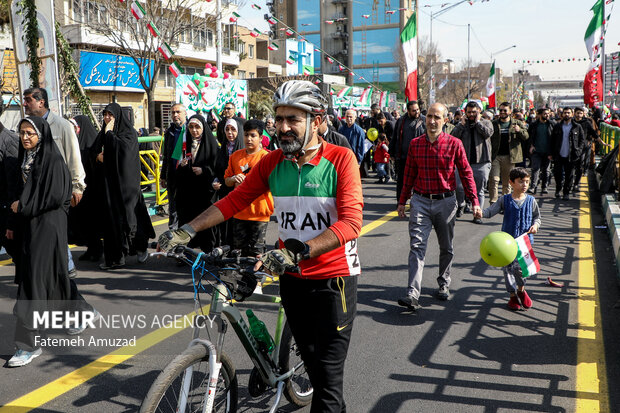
(289, 134)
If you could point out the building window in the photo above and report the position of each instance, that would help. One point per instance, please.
(200, 38)
(252, 75)
(241, 74)
(209, 37)
(77, 11)
(251, 51)
(241, 48)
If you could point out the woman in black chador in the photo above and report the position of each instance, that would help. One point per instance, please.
(195, 174)
(84, 229)
(127, 225)
(40, 233)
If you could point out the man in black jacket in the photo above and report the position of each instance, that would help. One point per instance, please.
(9, 178)
(407, 127)
(590, 136)
(327, 133)
(567, 141)
(229, 113)
(175, 132)
(540, 149)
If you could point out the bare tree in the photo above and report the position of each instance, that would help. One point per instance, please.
(175, 19)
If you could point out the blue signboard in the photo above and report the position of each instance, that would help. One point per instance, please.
(103, 71)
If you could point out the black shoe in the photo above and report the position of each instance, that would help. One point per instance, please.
(380, 181)
(532, 191)
(459, 212)
(566, 197)
(467, 209)
(477, 221)
(409, 302)
(443, 293)
(557, 195)
(113, 265)
(544, 191)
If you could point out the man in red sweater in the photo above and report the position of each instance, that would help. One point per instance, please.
(318, 200)
(429, 172)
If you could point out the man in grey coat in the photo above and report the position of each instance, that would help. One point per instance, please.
(475, 133)
(36, 104)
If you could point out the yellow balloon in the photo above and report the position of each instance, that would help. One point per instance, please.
(372, 134)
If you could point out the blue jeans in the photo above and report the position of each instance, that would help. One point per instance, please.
(381, 171)
(71, 265)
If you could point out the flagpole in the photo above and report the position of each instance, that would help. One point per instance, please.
(218, 23)
(468, 64)
(603, 74)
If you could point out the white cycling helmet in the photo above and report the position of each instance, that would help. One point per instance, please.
(304, 95)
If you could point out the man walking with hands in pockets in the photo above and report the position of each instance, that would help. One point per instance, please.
(430, 172)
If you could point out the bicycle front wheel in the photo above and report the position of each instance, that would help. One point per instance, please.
(167, 395)
(298, 389)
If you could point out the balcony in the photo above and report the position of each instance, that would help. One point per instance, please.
(81, 34)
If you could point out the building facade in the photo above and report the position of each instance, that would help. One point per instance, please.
(362, 35)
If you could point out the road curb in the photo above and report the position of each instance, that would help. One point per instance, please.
(611, 207)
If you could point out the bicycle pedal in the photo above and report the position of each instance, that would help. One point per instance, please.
(256, 385)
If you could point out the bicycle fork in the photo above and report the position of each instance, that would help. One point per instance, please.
(214, 373)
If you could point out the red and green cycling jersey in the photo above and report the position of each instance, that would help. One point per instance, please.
(324, 193)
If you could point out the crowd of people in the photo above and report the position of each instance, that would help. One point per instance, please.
(226, 179)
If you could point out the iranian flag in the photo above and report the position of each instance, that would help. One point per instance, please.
(235, 16)
(255, 32)
(408, 38)
(273, 46)
(383, 100)
(491, 87)
(153, 29)
(256, 7)
(192, 89)
(175, 69)
(592, 85)
(137, 10)
(344, 91)
(289, 32)
(165, 50)
(365, 96)
(330, 60)
(525, 257)
(272, 20)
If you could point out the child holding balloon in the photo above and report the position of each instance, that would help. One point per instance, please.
(521, 216)
(382, 159)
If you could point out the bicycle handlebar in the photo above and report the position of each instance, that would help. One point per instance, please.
(218, 256)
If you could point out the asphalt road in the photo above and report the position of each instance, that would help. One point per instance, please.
(469, 354)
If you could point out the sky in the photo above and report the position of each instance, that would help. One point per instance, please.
(541, 30)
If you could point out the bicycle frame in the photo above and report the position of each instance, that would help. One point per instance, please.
(265, 364)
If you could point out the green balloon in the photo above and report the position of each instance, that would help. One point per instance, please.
(498, 249)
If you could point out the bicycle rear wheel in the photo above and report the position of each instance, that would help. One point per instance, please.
(165, 393)
(298, 389)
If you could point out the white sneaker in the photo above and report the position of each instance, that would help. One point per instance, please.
(23, 357)
(77, 330)
(142, 256)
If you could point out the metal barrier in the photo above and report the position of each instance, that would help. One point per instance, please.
(150, 159)
(610, 135)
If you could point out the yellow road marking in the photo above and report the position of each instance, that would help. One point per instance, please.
(62, 385)
(591, 372)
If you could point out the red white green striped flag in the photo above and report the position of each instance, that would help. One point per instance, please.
(329, 21)
(525, 256)
(153, 29)
(273, 46)
(256, 7)
(272, 20)
(291, 60)
(330, 60)
(137, 10)
(175, 69)
(366, 16)
(408, 38)
(344, 91)
(340, 67)
(366, 94)
(491, 87)
(255, 32)
(383, 100)
(289, 32)
(165, 50)
(594, 32)
(234, 17)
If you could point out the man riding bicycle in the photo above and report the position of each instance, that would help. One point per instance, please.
(318, 201)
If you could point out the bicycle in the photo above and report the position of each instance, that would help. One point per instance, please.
(203, 377)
